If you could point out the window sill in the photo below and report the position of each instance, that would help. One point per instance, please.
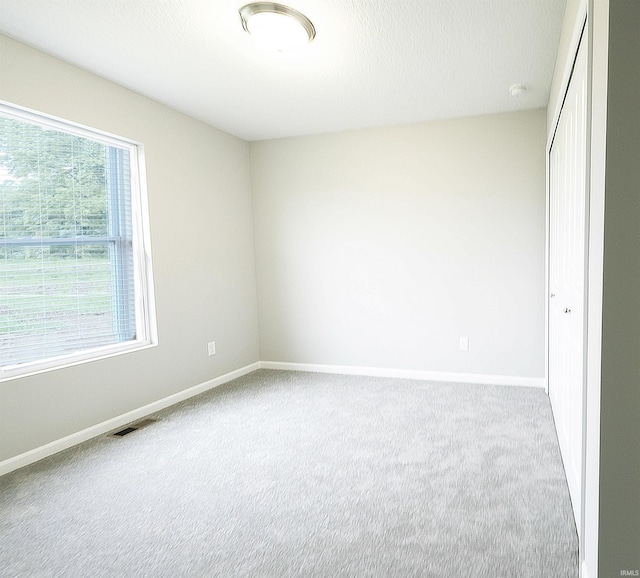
(9, 373)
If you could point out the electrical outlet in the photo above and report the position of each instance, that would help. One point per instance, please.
(464, 344)
(212, 347)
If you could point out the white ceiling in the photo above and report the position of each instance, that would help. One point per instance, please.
(372, 63)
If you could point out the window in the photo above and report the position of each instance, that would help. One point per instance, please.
(75, 271)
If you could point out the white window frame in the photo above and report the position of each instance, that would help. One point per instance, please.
(145, 313)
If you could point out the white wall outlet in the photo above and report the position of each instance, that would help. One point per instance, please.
(211, 347)
(464, 344)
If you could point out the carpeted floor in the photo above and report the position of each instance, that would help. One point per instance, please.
(283, 474)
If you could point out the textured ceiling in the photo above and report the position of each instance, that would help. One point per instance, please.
(373, 62)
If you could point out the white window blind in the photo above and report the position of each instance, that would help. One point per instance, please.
(72, 270)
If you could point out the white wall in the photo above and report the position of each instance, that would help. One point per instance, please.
(202, 241)
(598, 27)
(381, 248)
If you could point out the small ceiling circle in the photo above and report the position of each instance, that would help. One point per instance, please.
(276, 26)
(517, 90)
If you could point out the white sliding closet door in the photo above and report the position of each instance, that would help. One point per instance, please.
(567, 276)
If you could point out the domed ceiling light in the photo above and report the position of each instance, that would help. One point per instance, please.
(517, 90)
(277, 26)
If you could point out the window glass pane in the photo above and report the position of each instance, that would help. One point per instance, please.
(66, 250)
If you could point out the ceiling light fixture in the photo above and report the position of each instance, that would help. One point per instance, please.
(277, 26)
(517, 90)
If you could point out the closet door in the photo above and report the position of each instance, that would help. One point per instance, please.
(567, 276)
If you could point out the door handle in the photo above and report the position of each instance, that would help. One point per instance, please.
(567, 310)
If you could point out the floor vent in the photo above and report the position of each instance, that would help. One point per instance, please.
(133, 427)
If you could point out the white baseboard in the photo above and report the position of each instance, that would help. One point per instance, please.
(56, 446)
(479, 378)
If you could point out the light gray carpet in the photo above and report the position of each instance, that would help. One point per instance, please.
(282, 474)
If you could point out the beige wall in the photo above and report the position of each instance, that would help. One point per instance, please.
(381, 248)
(202, 241)
(620, 391)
